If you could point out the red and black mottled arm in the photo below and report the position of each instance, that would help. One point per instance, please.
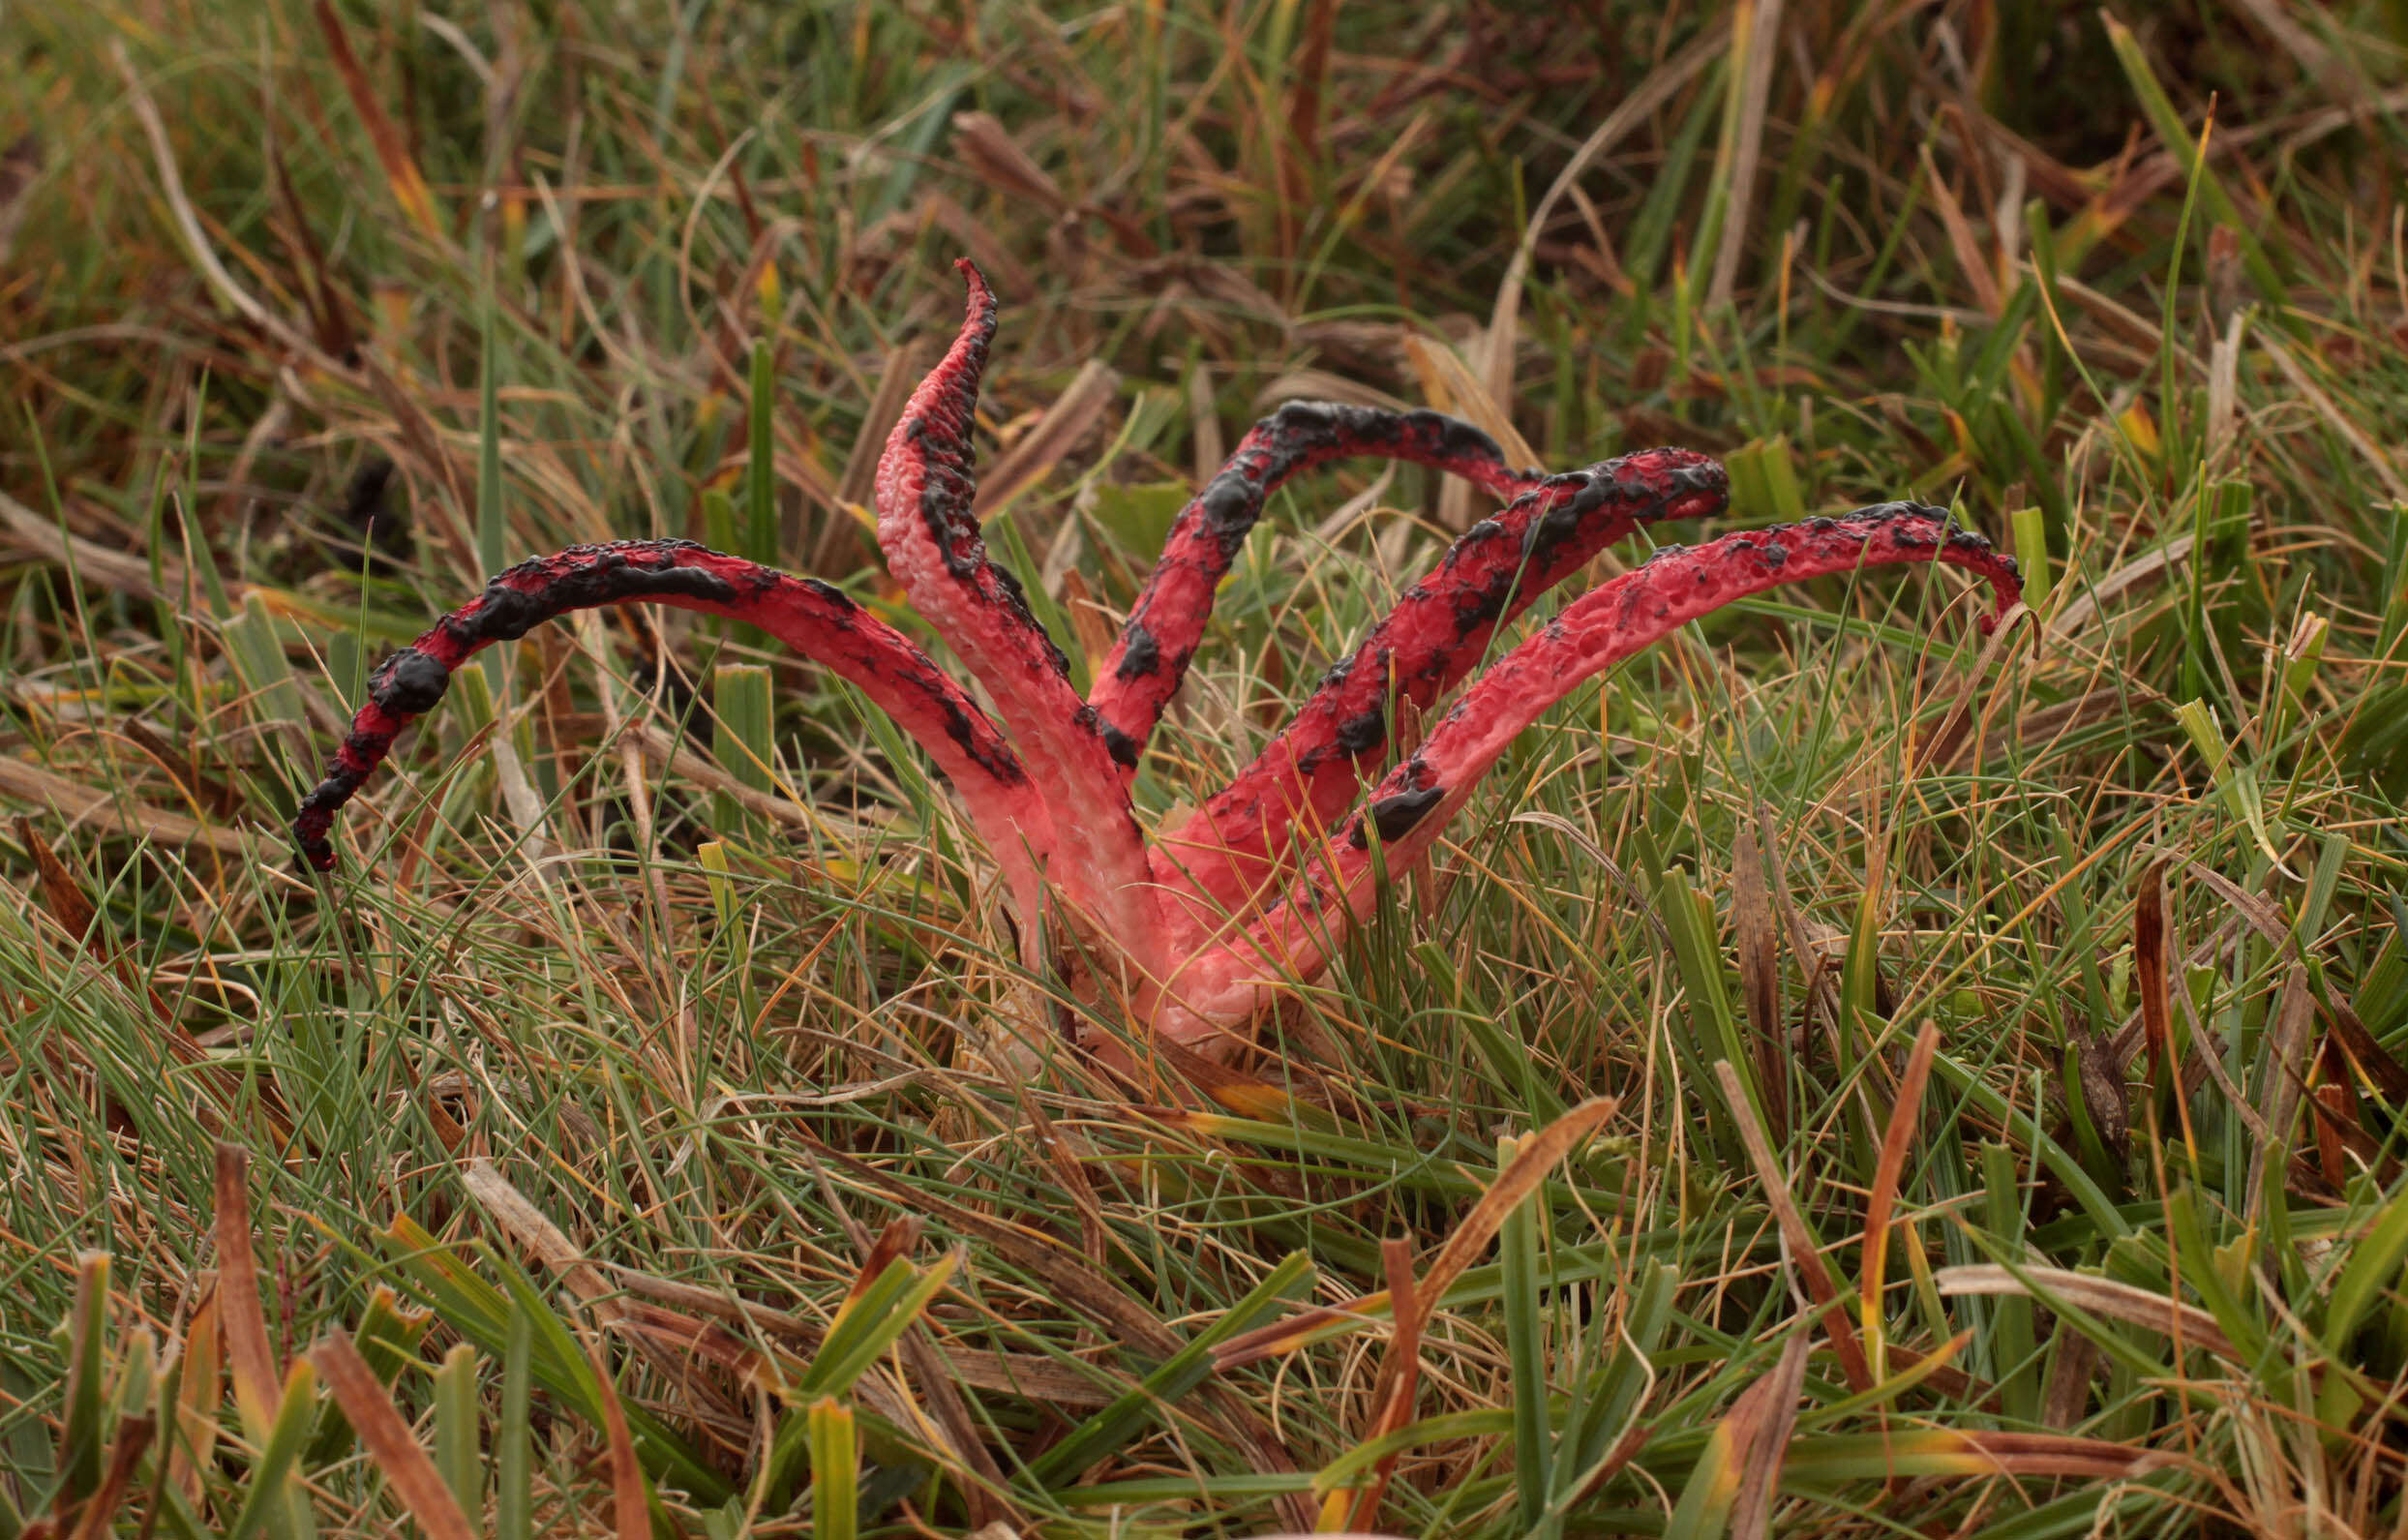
(810, 616)
(1222, 988)
(1166, 622)
(1310, 773)
(930, 535)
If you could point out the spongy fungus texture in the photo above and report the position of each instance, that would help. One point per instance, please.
(1199, 929)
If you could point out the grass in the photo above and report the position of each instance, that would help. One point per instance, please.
(1842, 1078)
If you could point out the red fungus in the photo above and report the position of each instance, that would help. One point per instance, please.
(1254, 888)
(931, 540)
(1167, 621)
(1311, 773)
(813, 617)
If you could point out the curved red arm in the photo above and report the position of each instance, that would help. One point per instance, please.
(808, 616)
(930, 535)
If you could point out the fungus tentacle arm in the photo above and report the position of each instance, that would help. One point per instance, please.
(808, 616)
(1166, 622)
(1306, 777)
(1220, 989)
(930, 534)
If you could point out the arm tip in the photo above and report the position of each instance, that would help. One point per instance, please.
(981, 292)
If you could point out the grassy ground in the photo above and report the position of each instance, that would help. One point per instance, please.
(614, 1128)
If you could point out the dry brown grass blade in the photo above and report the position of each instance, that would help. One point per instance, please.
(993, 255)
(64, 897)
(1820, 969)
(793, 462)
(1671, 77)
(118, 570)
(1961, 241)
(1300, 150)
(1173, 1068)
(2120, 323)
(388, 1439)
(1755, 30)
(1803, 1253)
(2084, 607)
(1074, 1281)
(1532, 1163)
(1775, 1415)
(2204, 1061)
(1206, 444)
(1448, 384)
(1316, 384)
(19, 165)
(1538, 1156)
(1753, 934)
(2333, 1096)
(329, 317)
(1949, 741)
(1066, 1158)
(1393, 1391)
(2065, 1399)
(700, 1301)
(691, 1340)
(692, 768)
(676, 1343)
(1933, 1367)
(2125, 1045)
(939, 1384)
(2102, 1090)
(2034, 730)
(2336, 418)
(428, 455)
(2096, 1296)
(205, 791)
(196, 1397)
(258, 1382)
(2149, 965)
(1023, 1374)
(61, 895)
(2152, 968)
(904, 364)
(2224, 367)
(125, 1460)
(401, 171)
(627, 1505)
(529, 1227)
(2337, 1117)
(989, 153)
(2374, 1060)
(2262, 914)
(1066, 423)
(893, 1244)
(1089, 624)
(1883, 1199)
(237, 298)
(2016, 1454)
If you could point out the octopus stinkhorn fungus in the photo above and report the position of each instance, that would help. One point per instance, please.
(1197, 929)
